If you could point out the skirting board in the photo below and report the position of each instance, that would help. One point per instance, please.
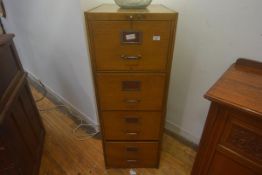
(170, 128)
(181, 135)
(57, 100)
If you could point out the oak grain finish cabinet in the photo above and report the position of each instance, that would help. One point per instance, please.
(21, 129)
(131, 53)
(232, 138)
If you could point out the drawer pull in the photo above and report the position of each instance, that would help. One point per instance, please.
(131, 119)
(131, 17)
(131, 57)
(2, 148)
(132, 161)
(131, 149)
(132, 133)
(132, 101)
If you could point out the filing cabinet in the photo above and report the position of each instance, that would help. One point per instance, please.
(131, 53)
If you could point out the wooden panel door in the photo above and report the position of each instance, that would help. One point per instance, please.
(23, 132)
(223, 165)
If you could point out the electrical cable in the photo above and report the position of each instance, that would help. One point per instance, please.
(44, 93)
(68, 109)
(84, 137)
(75, 129)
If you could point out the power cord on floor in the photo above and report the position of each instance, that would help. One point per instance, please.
(82, 124)
(75, 129)
(44, 93)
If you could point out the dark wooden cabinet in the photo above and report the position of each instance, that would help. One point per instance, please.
(231, 143)
(21, 129)
(131, 54)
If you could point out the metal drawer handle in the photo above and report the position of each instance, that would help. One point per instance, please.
(132, 101)
(132, 133)
(132, 161)
(131, 57)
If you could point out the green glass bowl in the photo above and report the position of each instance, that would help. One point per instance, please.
(133, 3)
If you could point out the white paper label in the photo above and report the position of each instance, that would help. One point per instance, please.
(130, 36)
(156, 38)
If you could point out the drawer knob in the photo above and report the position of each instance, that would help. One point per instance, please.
(136, 17)
(2, 148)
(131, 57)
(132, 101)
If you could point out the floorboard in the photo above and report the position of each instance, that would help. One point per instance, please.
(65, 154)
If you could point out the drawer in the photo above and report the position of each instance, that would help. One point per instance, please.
(243, 136)
(125, 91)
(111, 53)
(131, 154)
(128, 125)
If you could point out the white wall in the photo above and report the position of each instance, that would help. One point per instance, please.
(211, 35)
(51, 42)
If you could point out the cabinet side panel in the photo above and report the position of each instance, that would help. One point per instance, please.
(212, 132)
(90, 41)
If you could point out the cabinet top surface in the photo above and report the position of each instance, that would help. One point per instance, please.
(240, 86)
(114, 12)
(113, 8)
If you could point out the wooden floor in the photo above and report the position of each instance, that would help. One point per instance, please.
(64, 154)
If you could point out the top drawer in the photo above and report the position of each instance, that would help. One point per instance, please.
(130, 45)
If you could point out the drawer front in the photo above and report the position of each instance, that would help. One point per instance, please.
(113, 52)
(126, 125)
(222, 164)
(130, 91)
(243, 137)
(131, 154)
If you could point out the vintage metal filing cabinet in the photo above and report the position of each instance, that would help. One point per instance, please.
(131, 54)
